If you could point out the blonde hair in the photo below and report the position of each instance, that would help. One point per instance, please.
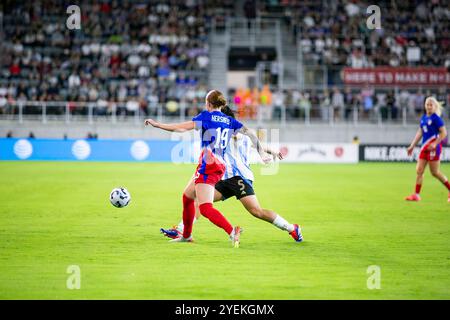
(437, 104)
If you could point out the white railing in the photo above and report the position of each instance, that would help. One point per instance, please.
(64, 110)
(18, 111)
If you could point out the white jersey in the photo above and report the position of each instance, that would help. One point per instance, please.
(237, 158)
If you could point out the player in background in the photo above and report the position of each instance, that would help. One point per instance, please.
(432, 131)
(216, 130)
(238, 181)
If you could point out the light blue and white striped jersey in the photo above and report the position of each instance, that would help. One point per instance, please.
(237, 158)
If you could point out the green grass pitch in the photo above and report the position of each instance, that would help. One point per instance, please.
(57, 214)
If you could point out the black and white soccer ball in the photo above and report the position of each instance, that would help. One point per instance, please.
(120, 197)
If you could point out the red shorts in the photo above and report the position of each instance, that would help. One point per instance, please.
(214, 175)
(430, 155)
(209, 172)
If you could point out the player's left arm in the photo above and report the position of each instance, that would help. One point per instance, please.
(177, 127)
(440, 138)
(274, 154)
(255, 141)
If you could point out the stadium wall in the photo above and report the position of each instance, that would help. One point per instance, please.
(176, 151)
(181, 150)
(290, 132)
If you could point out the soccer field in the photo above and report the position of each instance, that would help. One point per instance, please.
(57, 214)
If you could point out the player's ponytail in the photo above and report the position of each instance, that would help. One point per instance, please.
(437, 104)
(227, 111)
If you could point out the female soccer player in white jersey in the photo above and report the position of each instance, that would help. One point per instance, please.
(238, 181)
(432, 131)
(216, 129)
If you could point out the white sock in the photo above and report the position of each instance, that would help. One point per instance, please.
(281, 223)
(180, 226)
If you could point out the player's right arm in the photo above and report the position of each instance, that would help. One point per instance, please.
(415, 141)
(177, 127)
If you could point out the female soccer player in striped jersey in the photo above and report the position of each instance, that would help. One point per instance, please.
(238, 181)
(432, 131)
(216, 130)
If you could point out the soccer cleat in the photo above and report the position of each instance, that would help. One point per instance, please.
(171, 233)
(235, 235)
(413, 197)
(182, 239)
(297, 233)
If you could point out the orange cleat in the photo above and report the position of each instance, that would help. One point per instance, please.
(413, 197)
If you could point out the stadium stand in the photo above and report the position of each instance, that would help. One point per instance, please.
(132, 53)
(153, 58)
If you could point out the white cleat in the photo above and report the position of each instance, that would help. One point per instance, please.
(235, 235)
(182, 239)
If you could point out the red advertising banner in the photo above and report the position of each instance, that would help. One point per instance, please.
(396, 76)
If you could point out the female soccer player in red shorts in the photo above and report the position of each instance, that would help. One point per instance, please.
(216, 129)
(432, 131)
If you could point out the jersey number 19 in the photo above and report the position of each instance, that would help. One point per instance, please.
(221, 138)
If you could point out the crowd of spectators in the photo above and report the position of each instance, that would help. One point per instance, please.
(335, 33)
(336, 104)
(132, 56)
(143, 52)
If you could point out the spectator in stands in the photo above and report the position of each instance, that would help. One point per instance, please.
(294, 108)
(391, 105)
(367, 96)
(3, 103)
(325, 105)
(278, 103)
(305, 105)
(348, 102)
(132, 106)
(101, 107)
(265, 100)
(337, 103)
(172, 107)
(380, 104)
(74, 80)
(295, 99)
(403, 99)
(315, 104)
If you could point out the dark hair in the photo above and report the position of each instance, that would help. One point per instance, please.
(216, 99)
(227, 111)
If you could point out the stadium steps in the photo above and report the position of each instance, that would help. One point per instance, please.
(289, 58)
(218, 62)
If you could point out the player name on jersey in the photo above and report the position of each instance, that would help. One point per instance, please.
(216, 118)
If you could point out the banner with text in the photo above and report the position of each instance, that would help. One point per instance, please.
(396, 76)
(320, 152)
(394, 153)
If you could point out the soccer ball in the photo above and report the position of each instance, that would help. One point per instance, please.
(120, 197)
